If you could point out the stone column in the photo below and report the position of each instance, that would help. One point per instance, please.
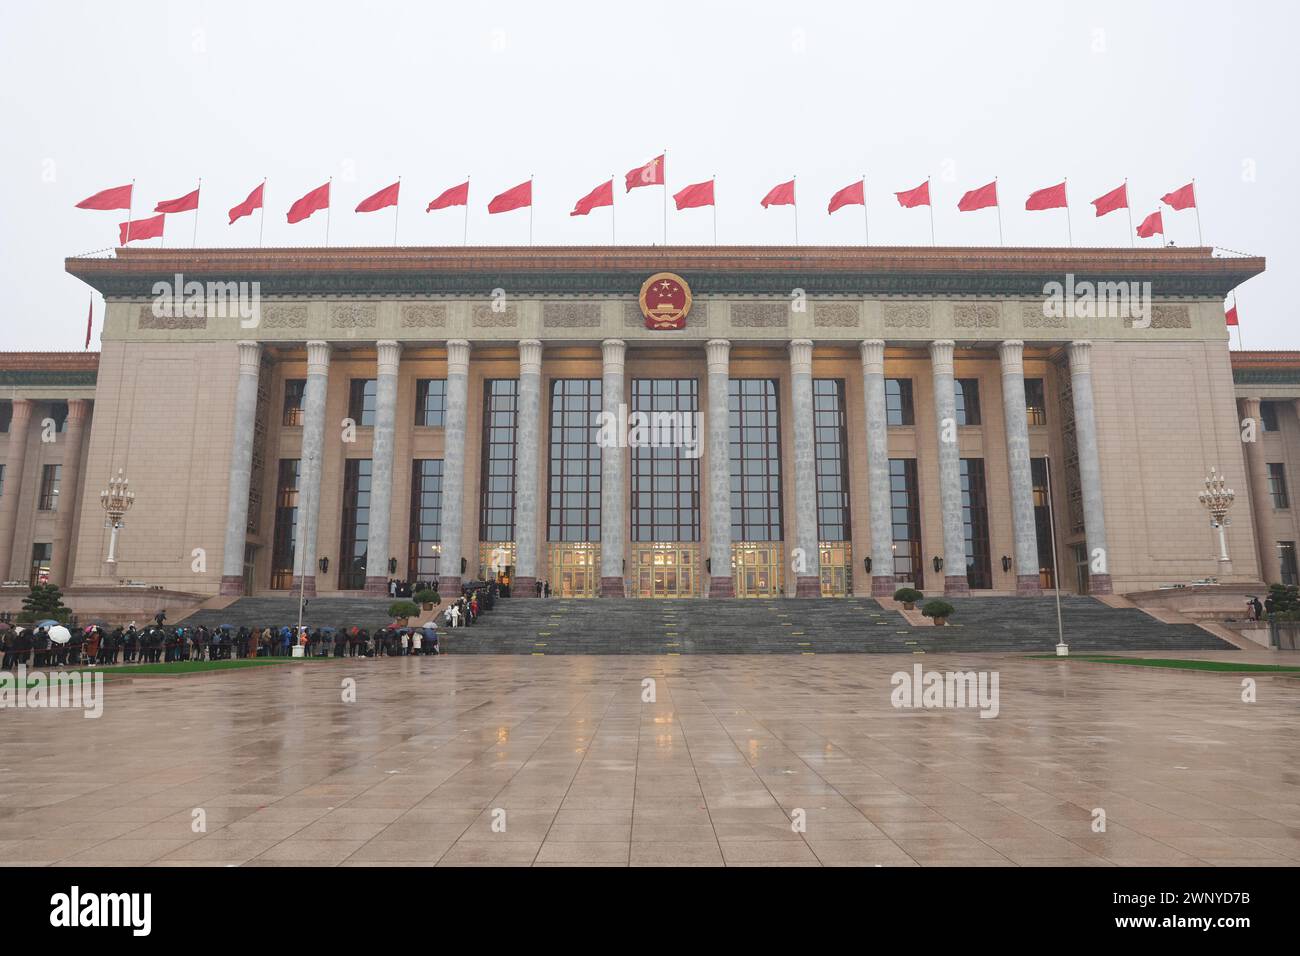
(65, 529)
(309, 466)
(1085, 430)
(722, 584)
(613, 473)
(527, 477)
(1022, 477)
(878, 488)
(945, 417)
(241, 469)
(453, 468)
(1270, 564)
(808, 564)
(381, 467)
(15, 461)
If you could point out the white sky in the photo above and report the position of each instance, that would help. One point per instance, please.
(95, 94)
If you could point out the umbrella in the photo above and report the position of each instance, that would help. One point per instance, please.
(328, 630)
(49, 623)
(355, 631)
(226, 627)
(4, 626)
(59, 634)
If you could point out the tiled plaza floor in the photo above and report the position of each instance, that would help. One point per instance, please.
(582, 771)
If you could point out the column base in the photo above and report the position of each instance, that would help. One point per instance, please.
(449, 586)
(807, 586)
(523, 587)
(377, 587)
(232, 585)
(722, 587)
(955, 584)
(883, 585)
(1027, 585)
(307, 589)
(612, 587)
(1099, 584)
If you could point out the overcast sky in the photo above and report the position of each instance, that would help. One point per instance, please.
(96, 94)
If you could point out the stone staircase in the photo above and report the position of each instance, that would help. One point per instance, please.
(369, 613)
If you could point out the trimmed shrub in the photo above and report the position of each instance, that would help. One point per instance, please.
(908, 595)
(936, 608)
(427, 596)
(403, 609)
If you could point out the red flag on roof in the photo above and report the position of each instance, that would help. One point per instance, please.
(381, 200)
(1231, 315)
(781, 194)
(920, 196)
(455, 196)
(1151, 225)
(651, 174)
(1117, 198)
(699, 194)
(317, 199)
(602, 195)
(1053, 197)
(245, 208)
(150, 228)
(980, 198)
(186, 203)
(119, 197)
(1184, 198)
(851, 195)
(517, 198)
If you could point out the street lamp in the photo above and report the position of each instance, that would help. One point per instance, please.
(1217, 498)
(116, 500)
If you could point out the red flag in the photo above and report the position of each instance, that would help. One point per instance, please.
(517, 198)
(186, 203)
(1117, 198)
(455, 196)
(848, 196)
(318, 198)
(380, 200)
(150, 228)
(980, 198)
(119, 197)
(780, 195)
(920, 196)
(1230, 316)
(1184, 198)
(245, 208)
(699, 194)
(602, 195)
(651, 174)
(1053, 197)
(1151, 225)
(90, 318)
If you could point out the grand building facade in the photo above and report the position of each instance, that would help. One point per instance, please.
(795, 421)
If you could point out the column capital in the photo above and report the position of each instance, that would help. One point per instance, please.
(77, 409)
(250, 357)
(390, 355)
(613, 353)
(318, 357)
(801, 356)
(941, 355)
(1251, 406)
(457, 357)
(22, 408)
(1012, 353)
(719, 355)
(530, 357)
(873, 356)
(1080, 356)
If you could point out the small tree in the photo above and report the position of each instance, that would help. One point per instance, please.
(937, 609)
(401, 610)
(426, 596)
(45, 601)
(908, 596)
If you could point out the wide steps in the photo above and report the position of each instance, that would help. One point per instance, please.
(250, 612)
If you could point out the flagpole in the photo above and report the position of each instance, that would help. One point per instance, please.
(1069, 227)
(794, 194)
(464, 241)
(613, 233)
(397, 208)
(1001, 242)
(261, 219)
(195, 240)
(866, 225)
(664, 174)
(530, 209)
(715, 209)
(1200, 241)
(1234, 305)
(929, 196)
(328, 209)
(1128, 205)
(130, 207)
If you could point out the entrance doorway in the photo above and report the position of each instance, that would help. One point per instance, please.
(572, 569)
(666, 569)
(758, 569)
(1080, 554)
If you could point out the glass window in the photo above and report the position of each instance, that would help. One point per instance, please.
(285, 535)
(755, 438)
(967, 393)
(50, 478)
(573, 513)
(294, 390)
(353, 544)
(430, 402)
(1277, 485)
(1286, 556)
(361, 401)
(666, 478)
(426, 520)
(898, 401)
(1268, 416)
(2, 480)
(6, 415)
(42, 554)
(831, 446)
(59, 412)
(497, 483)
(905, 515)
(1043, 524)
(1035, 402)
(975, 518)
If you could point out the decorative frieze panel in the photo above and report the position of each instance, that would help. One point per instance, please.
(1032, 316)
(976, 315)
(354, 317)
(907, 315)
(760, 315)
(284, 317)
(483, 315)
(571, 315)
(837, 315)
(1167, 317)
(423, 315)
(148, 320)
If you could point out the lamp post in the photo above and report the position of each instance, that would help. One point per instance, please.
(116, 500)
(1217, 498)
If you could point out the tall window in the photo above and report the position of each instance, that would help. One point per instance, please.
(59, 412)
(905, 516)
(898, 401)
(831, 447)
(1043, 524)
(43, 553)
(1277, 485)
(2, 480)
(1268, 416)
(755, 432)
(975, 518)
(666, 479)
(6, 415)
(356, 526)
(426, 520)
(497, 499)
(50, 478)
(294, 390)
(1286, 559)
(361, 401)
(1035, 401)
(574, 493)
(285, 536)
(967, 392)
(430, 402)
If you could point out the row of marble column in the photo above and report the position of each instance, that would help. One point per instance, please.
(614, 478)
(65, 530)
(1261, 495)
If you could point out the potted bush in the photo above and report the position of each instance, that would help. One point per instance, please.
(909, 597)
(427, 598)
(938, 610)
(403, 611)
